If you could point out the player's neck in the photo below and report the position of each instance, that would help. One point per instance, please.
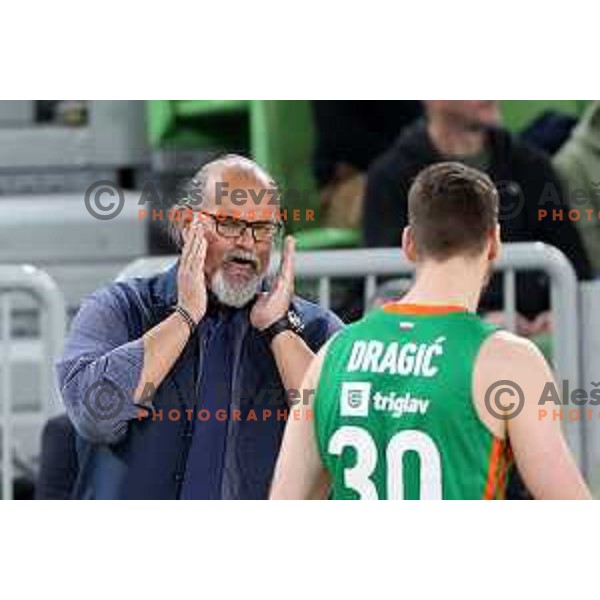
(452, 283)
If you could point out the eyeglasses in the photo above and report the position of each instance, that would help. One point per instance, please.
(262, 231)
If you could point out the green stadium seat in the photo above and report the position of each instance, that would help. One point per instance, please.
(327, 238)
(277, 134)
(196, 124)
(517, 114)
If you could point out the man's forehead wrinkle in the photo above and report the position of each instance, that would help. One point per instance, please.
(237, 177)
(213, 175)
(250, 176)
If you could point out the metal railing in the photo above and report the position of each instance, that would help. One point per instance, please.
(39, 285)
(371, 263)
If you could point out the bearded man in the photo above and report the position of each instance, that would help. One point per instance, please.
(179, 385)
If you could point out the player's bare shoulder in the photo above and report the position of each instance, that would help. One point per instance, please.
(508, 353)
(506, 364)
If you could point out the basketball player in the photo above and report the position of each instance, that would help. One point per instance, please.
(421, 399)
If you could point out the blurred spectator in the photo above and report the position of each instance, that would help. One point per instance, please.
(578, 164)
(469, 131)
(349, 135)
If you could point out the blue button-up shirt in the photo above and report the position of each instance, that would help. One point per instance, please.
(226, 364)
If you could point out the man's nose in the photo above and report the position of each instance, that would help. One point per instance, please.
(246, 240)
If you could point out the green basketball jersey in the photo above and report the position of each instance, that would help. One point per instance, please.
(394, 412)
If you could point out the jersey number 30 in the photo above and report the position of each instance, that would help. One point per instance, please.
(358, 477)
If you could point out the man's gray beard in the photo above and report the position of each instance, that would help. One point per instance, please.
(232, 294)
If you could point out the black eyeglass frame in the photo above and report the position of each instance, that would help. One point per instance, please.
(277, 227)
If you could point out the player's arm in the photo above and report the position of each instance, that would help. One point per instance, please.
(540, 450)
(299, 473)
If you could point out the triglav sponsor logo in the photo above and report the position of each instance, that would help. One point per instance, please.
(355, 399)
(400, 405)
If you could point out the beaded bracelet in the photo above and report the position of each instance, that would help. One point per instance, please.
(185, 315)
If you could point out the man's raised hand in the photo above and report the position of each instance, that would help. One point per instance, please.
(271, 306)
(191, 285)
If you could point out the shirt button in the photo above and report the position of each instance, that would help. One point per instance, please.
(178, 477)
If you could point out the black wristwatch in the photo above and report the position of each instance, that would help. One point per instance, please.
(291, 321)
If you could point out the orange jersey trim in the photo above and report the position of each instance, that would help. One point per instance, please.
(495, 453)
(499, 464)
(503, 475)
(422, 309)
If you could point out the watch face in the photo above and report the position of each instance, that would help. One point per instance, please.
(295, 320)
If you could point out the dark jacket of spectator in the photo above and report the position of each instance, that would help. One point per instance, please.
(354, 132)
(549, 131)
(525, 180)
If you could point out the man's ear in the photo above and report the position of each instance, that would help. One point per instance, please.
(408, 244)
(495, 244)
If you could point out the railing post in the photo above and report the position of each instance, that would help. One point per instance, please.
(37, 283)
